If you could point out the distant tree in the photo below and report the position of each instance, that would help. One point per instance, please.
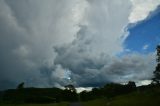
(20, 86)
(131, 84)
(156, 78)
(70, 88)
(70, 94)
(84, 95)
(113, 89)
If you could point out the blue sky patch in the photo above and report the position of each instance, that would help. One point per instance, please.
(145, 36)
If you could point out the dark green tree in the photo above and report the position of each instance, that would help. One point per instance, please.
(70, 93)
(156, 78)
(70, 88)
(20, 86)
(132, 84)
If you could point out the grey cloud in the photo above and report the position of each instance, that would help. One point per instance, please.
(97, 71)
(91, 56)
(28, 31)
(41, 39)
(89, 69)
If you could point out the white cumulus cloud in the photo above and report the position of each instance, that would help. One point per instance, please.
(141, 9)
(145, 47)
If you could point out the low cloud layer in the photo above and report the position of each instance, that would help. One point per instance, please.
(56, 42)
(96, 70)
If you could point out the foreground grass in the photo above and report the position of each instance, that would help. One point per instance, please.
(56, 104)
(148, 98)
(97, 102)
(136, 100)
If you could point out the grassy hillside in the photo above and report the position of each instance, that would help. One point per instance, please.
(146, 98)
(57, 104)
(38, 95)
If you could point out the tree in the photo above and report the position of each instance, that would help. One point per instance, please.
(20, 86)
(156, 78)
(131, 84)
(70, 88)
(70, 94)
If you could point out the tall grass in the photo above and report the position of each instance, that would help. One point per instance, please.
(56, 104)
(147, 98)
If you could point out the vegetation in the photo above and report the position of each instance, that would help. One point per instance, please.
(39, 95)
(20, 86)
(156, 79)
(108, 91)
(148, 97)
(55, 104)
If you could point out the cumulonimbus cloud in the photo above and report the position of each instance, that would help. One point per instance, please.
(40, 40)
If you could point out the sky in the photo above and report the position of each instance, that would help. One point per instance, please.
(87, 43)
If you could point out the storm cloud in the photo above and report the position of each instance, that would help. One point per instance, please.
(89, 69)
(47, 43)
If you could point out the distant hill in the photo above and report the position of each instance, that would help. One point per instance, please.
(1, 95)
(109, 95)
(147, 97)
(38, 95)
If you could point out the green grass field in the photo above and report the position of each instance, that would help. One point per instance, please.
(56, 104)
(148, 98)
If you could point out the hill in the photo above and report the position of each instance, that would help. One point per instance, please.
(149, 97)
(38, 95)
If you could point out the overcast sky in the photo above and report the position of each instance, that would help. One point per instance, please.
(88, 43)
